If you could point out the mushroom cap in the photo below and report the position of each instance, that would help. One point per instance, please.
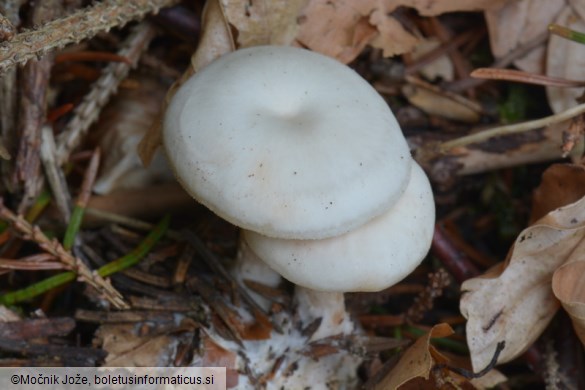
(371, 258)
(286, 142)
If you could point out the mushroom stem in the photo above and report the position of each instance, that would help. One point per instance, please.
(248, 266)
(329, 307)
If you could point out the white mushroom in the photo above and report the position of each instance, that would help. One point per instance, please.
(287, 143)
(303, 154)
(370, 258)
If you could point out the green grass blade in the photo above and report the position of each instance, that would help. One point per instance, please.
(73, 227)
(567, 33)
(117, 265)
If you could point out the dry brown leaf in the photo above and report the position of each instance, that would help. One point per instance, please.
(342, 29)
(216, 40)
(514, 303)
(264, 22)
(120, 128)
(569, 287)
(216, 37)
(579, 7)
(127, 348)
(416, 362)
(565, 59)
(562, 184)
(435, 103)
(164, 198)
(437, 7)
(519, 22)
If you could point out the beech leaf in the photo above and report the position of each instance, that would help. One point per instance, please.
(514, 302)
(519, 22)
(569, 287)
(216, 40)
(565, 59)
(416, 362)
(264, 22)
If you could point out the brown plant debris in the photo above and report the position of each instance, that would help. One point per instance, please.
(88, 111)
(74, 28)
(33, 233)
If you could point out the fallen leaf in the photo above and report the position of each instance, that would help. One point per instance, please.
(127, 348)
(562, 184)
(264, 22)
(416, 362)
(579, 7)
(120, 128)
(435, 103)
(437, 7)
(342, 29)
(565, 59)
(519, 22)
(216, 40)
(569, 287)
(514, 302)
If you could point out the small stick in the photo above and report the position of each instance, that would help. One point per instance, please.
(56, 249)
(74, 28)
(513, 129)
(88, 111)
(525, 77)
(456, 262)
(117, 265)
(54, 173)
(82, 200)
(519, 52)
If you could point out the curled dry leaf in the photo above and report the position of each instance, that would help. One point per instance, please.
(216, 40)
(437, 7)
(434, 102)
(120, 128)
(514, 302)
(569, 287)
(342, 30)
(562, 184)
(127, 348)
(264, 22)
(565, 59)
(417, 361)
(519, 22)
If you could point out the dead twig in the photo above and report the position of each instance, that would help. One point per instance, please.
(76, 27)
(525, 77)
(513, 129)
(54, 174)
(56, 249)
(33, 112)
(456, 262)
(519, 52)
(88, 111)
